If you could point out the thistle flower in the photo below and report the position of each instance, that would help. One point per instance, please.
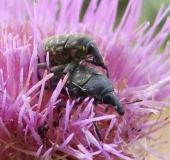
(27, 110)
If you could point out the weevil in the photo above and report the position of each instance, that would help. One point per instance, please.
(85, 81)
(68, 48)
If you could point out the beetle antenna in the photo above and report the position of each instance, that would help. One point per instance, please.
(136, 101)
(79, 86)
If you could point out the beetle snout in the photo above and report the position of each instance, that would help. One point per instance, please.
(111, 98)
(120, 110)
(99, 62)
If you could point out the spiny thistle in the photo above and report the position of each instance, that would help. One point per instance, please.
(140, 76)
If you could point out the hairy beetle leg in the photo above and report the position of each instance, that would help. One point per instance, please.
(42, 65)
(107, 72)
(96, 128)
(95, 63)
(97, 131)
(69, 68)
(58, 74)
(39, 66)
(63, 68)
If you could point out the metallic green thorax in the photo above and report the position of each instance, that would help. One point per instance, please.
(64, 49)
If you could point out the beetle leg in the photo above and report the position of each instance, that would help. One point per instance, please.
(69, 67)
(57, 69)
(97, 131)
(42, 131)
(58, 74)
(96, 128)
(95, 63)
(42, 65)
(107, 72)
(39, 66)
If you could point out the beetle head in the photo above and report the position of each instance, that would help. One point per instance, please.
(111, 98)
(93, 50)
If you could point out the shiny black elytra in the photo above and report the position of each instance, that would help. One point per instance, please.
(85, 81)
(72, 48)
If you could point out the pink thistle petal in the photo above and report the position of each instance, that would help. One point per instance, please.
(39, 151)
(66, 141)
(47, 154)
(96, 143)
(85, 151)
(92, 120)
(87, 110)
(115, 152)
(110, 127)
(139, 69)
(75, 153)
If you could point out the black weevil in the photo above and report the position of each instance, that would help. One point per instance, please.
(85, 81)
(72, 48)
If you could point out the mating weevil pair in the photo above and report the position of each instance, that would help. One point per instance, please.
(66, 53)
(72, 49)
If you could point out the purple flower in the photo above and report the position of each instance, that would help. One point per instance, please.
(139, 70)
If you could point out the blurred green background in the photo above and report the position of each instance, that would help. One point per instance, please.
(149, 10)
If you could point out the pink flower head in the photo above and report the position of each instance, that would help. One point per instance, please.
(29, 122)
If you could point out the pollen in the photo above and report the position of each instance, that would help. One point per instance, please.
(51, 41)
(83, 48)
